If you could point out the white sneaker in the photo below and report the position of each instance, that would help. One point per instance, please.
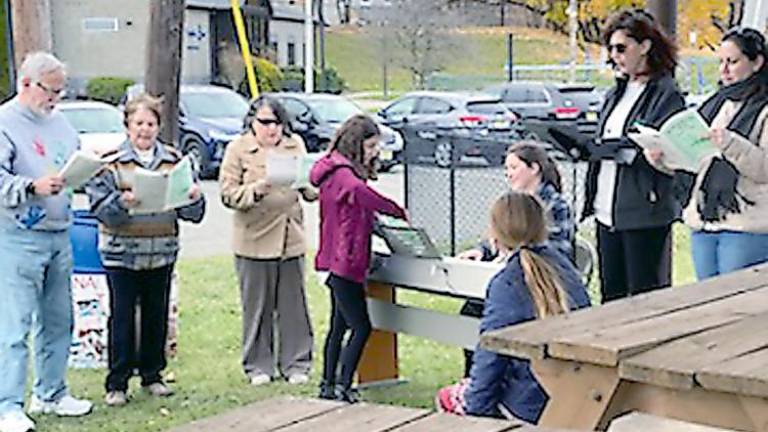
(260, 379)
(16, 421)
(66, 406)
(298, 379)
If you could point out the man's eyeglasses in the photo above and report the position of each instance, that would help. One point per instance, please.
(619, 47)
(268, 122)
(60, 93)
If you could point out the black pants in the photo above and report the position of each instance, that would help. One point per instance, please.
(348, 311)
(150, 289)
(633, 261)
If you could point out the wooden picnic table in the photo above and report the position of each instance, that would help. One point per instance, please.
(289, 414)
(697, 353)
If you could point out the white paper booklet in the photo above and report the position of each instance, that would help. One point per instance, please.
(83, 165)
(682, 138)
(290, 170)
(158, 192)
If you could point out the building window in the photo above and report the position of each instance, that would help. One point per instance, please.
(100, 24)
(291, 53)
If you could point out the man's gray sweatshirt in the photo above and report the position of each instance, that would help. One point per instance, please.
(32, 146)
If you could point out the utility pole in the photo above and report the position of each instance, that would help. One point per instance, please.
(31, 22)
(309, 51)
(321, 18)
(163, 66)
(665, 13)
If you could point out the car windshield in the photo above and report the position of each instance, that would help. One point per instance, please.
(334, 110)
(580, 95)
(214, 104)
(95, 120)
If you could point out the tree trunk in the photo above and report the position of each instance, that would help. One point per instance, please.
(31, 22)
(163, 66)
(665, 12)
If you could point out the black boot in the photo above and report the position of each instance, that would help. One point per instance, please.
(327, 391)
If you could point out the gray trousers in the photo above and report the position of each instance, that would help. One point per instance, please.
(269, 287)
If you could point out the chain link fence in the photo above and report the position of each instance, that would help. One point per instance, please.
(450, 195)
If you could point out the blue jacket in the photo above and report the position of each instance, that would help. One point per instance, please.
(500, 379)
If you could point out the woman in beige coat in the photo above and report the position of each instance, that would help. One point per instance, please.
(729, 199)
(269, 246)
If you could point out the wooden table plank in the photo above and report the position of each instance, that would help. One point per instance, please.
(675, 364)
(263, 416)
(529, 340)
(608, 346)
(745, 375)
(450, 422)
(639, 422)
(359, 417)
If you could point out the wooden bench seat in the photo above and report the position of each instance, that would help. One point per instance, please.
(639, 422)
(288, 414)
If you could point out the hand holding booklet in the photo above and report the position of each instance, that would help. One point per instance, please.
(682, 139)
(83, 165)
(163, 191)
(290, 170)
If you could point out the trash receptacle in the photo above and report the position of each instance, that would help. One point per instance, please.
(84, 235)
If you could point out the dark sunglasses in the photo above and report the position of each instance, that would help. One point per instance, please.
(267, 122)
(620, 48)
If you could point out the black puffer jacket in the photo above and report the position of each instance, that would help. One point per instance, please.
(643, 197)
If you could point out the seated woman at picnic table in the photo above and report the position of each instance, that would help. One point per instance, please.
(530, 169)
(537, 281)
(728, 200)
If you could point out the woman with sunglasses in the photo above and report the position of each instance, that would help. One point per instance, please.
(727, 204)
(268, 242)
(632, 201)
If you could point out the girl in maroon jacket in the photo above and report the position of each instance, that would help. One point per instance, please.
(347, 210)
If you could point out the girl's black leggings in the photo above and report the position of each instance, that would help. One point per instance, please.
(348, 311)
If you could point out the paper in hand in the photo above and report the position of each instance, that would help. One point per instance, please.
(163, 191)
(83, 165)
(289, 170)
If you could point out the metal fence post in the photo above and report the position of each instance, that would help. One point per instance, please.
(452, 193)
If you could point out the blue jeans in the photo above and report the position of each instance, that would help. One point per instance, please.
(35, 274)
(716, 253)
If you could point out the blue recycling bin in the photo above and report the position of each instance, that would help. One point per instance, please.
(84, 235)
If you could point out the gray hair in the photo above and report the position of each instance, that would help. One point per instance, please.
(39, 63)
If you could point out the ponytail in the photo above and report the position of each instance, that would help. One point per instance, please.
(544, 284)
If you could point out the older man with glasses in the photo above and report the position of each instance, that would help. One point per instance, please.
(35, 251)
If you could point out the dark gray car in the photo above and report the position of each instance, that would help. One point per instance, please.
(534, 100)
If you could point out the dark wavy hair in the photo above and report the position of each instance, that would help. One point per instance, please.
(349, 143)
(277, 109)
(640, 26)
(531, 152)
(751, 43)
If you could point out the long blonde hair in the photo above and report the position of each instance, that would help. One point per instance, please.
(518, 222)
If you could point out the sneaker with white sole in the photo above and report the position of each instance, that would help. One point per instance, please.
(116, 398)
(158, 389)
(67, 406)
(298, 379)
(260, 379)
(16, 421)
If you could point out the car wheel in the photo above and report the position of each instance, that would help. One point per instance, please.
(194, 147)
(443, 151)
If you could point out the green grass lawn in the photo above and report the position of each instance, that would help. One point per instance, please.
(478, 61)
(208, 377)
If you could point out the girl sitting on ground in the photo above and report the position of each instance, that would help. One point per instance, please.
(537, 281)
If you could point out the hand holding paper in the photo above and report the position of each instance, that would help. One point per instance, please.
(289, 170)
(83, 165)
(683, 140)
(158, 192)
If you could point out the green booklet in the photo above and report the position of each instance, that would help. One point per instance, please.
(163, 191)
(682, 138)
